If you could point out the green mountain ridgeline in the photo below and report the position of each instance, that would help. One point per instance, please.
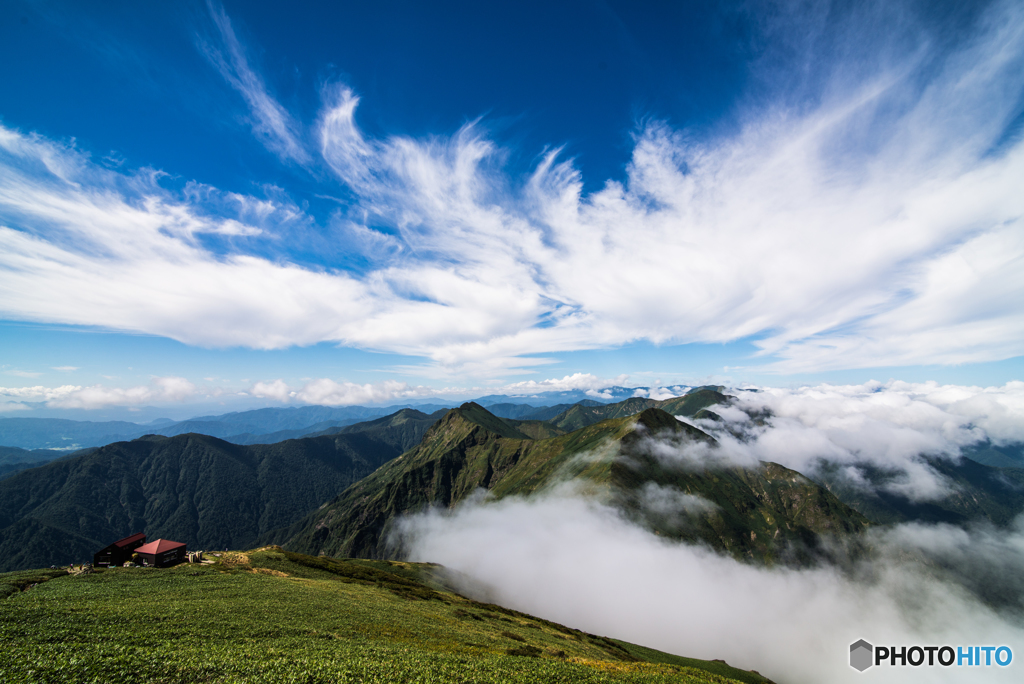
(756, 514)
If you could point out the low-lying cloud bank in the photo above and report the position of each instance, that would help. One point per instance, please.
(580, 563)
(160, 390)
(320, 391)
(893, 426)
(327, 392)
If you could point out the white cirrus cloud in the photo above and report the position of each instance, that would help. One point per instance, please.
(271, 122)
(878, 223)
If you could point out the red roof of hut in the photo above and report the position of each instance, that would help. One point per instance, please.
(159, 546)
(129, 540)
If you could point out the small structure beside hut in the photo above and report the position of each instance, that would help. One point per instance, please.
(162, 553)
(119, 552)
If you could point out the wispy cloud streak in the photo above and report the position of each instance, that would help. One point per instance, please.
(271, 122)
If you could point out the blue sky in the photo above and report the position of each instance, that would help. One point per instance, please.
(361, 202)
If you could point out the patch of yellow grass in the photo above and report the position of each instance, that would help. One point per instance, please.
(268, 571)
(609, 666)
(234, 558)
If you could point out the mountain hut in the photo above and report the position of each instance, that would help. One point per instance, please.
(162, 553)
(118, 553)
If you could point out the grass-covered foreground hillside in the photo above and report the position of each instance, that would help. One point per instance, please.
(272, 616)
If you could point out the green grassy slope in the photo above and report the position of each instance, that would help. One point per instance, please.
(536, 429)
(269, 616)
(753, 514)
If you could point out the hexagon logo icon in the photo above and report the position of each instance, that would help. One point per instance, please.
(861, 653)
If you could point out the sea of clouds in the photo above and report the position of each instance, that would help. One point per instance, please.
(579, 561)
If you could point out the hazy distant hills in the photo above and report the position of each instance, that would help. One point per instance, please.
(529, 412)
(401, 430)
(749, 513)
(259, 426)
(269, 425)
(15, 459)
(194, 488)
(58, 433)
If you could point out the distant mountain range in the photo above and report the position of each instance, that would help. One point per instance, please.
(15, 459)
(339, 489)
(269, 425)
(259, 426)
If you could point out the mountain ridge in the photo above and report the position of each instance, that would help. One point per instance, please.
(461, 454)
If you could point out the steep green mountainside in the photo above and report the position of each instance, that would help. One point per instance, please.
(56, 433)
(192, 488)
(273, 616)
(749, 513)
(976, 492)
